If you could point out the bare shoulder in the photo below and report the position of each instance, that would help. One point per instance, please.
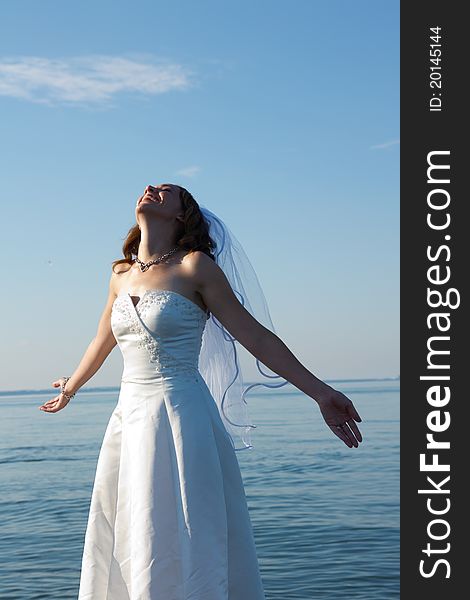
(118, 274)
(207, 274)
(197, 259)
(201, 266)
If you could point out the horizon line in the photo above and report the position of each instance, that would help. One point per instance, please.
(108, 388)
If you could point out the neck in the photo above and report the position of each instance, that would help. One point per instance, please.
(155, 242)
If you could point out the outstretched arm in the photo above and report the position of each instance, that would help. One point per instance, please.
(337, 409)
(94, 356)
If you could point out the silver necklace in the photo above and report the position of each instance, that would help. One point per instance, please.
(144, 266)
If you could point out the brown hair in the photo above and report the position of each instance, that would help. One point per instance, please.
(194, 232)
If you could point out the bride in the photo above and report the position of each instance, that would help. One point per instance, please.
(168, 515)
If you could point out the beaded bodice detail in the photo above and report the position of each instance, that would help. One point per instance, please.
(161, 335)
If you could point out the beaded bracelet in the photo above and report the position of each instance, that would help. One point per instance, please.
(62, 387)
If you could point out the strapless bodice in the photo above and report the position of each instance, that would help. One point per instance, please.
(159, 337)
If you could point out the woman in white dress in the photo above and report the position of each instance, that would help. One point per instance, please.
(168, 516)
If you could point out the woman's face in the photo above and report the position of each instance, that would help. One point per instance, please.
(161, 200)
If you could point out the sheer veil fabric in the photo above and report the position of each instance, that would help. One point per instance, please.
(219, 358)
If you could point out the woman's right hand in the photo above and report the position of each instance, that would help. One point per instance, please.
(57, 403)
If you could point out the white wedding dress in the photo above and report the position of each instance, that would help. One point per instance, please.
(168, 516)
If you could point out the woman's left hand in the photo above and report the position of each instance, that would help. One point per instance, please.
(340, 415)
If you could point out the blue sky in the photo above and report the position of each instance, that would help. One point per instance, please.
(281, 117)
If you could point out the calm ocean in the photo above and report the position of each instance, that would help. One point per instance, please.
(326, 517)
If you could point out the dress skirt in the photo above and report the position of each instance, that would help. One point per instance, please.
(168, 517)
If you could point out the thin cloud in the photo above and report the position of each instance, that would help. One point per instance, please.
(92, 79)
(385, 145)
(188, 171)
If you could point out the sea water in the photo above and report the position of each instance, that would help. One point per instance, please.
(325, 516)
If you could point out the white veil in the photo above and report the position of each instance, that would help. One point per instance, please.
(218, 361)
